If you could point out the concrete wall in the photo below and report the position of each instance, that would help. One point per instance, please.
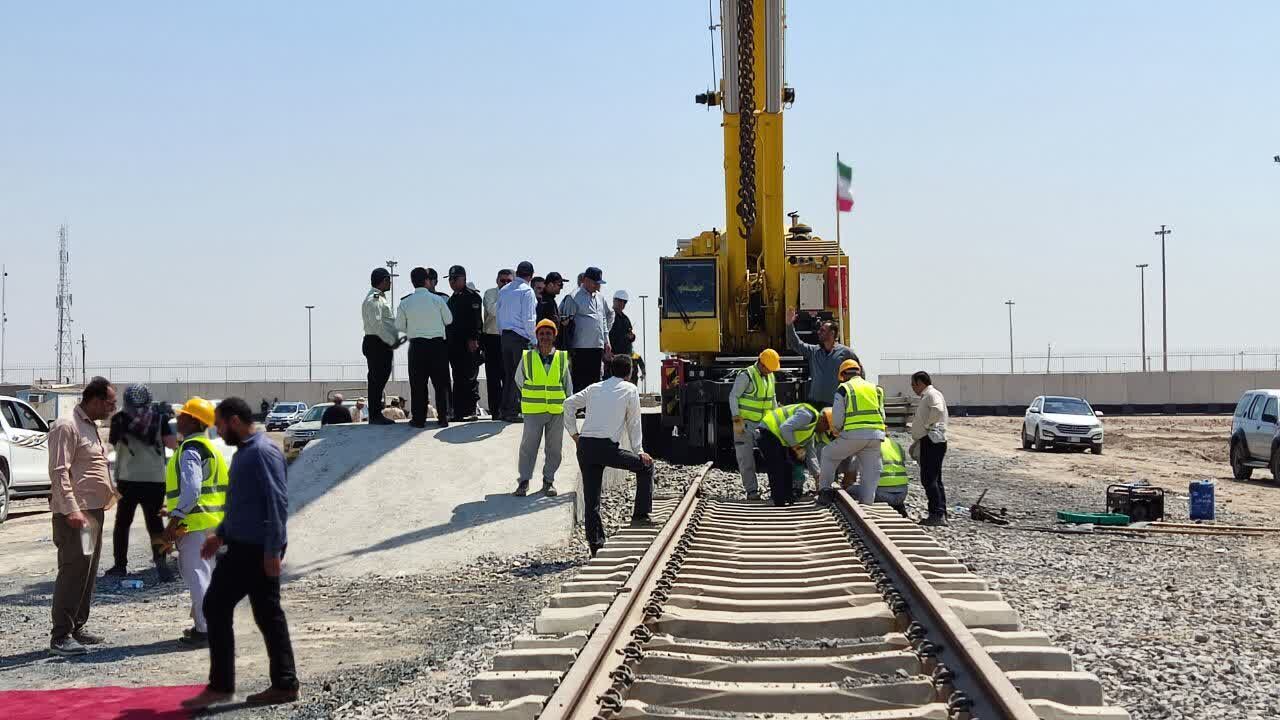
(1137, 390)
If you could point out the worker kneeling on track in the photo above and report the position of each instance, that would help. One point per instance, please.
(542, 378)
(785, 438)
(196, 483)
(858, 407)
(753, 395)
(892, 488)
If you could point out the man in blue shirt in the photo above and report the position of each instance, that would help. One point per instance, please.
(253, 531)
(517, 314)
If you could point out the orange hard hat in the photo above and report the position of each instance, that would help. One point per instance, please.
(547, 324)
(848, 365)
(769, 359)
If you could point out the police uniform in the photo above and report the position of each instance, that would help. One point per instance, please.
(468, 324)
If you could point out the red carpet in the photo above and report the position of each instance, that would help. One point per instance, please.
(98, 703)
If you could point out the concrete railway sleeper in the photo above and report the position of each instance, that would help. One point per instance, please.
(737, 609)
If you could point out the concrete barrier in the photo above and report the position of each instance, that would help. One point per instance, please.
(255, 392)
(1207, 391)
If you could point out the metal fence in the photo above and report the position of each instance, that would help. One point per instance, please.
(154, 372)
(1265, 358)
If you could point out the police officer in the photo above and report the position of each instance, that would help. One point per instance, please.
(463, 335)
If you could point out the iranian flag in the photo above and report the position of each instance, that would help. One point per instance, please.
(844, 191)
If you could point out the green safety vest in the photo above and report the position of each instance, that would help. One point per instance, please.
(864, 405)
(210, 505)
(542, 392)
(893, 470)
(774, 418)
(759, 397)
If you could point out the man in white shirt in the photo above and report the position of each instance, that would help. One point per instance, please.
(422, 317)
(380, 338)
(929, 431)
(491, 343)
(517, 314)
(613, 407)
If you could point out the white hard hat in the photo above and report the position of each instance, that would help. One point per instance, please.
(622, 295)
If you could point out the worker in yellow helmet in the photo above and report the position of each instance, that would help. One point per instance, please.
(543, 381)
(196, 483)
(786, 438)
(752, 396)
(858, 412)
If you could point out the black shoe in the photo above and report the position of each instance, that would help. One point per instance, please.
(115, 571)
(84, 637)
(643, 521)
(165, 574)
(934, 521)
(825, 498)
(381, 420)
(194, 638)
(444, 423)
(419, 425)
(522, 490)
(595, 549)
(753, 496)
(69, 646)
(549, 490)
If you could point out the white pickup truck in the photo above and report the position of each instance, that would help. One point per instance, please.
(24, 453)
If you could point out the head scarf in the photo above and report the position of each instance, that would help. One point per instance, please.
(139, 418)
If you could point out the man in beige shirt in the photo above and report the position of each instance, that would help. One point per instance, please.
(929, 432)
(80, 492)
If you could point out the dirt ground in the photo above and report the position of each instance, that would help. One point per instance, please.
(381, 631)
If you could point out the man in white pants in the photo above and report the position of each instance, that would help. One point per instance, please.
(196, 482)
(858, 412)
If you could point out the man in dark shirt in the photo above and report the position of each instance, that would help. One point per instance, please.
(337, 413)
(433, 279)
(622, 336)
(548, 307)
(463, 336)
(254, 533)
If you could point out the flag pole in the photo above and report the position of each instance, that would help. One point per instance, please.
(840, 274)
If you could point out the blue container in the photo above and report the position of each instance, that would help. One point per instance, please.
(1201, 501)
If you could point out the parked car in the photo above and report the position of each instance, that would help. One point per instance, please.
(284, 414)
(1253, 434)
(302, 432)
(1053, 421)
(24, 453)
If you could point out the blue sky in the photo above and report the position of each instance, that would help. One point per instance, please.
(233, 162)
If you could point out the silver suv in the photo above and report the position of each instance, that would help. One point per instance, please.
(1253, 434)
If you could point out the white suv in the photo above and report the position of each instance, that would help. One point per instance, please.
(1054, 421)
(1253, 434)
(24, 453)
(284, 414)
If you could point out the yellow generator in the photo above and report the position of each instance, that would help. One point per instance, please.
(724, 296)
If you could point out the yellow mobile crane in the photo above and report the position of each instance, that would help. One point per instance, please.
(723, 296)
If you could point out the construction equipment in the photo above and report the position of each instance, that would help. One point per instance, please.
(724, 295)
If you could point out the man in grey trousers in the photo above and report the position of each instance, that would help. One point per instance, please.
(543, 381)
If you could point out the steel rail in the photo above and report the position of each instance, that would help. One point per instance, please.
(982, 688)
(582, 690)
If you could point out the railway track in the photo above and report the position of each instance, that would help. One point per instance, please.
(736, 609)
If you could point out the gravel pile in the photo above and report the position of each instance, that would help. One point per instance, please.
(1176, 626)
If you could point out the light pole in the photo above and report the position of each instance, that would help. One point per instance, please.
(644, 339)
(4, 313)
(309, 309)
(1010, 304)
(391, 266)
(1142, 303)
(1164, 232)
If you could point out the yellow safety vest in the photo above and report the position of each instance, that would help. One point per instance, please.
(542, 392)
(864, 405)
(759, 397)
(210, 505)
(774, 418)
(893, 470)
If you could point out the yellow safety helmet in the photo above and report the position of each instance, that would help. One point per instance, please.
(848, 365)
(200, 409)
(545, 323)
(770, 360)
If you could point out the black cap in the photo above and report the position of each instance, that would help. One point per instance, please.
(457, 271)
(524, 268)
(555, 277)
(432, 274)
(594, 274)
(378, 275)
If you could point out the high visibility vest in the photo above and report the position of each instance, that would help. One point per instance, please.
(864, 405)
(210, 505)
(893, 469)
(542, 392)
(759, 397)
(774, 418)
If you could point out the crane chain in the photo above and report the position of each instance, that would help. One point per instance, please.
(746, 117)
